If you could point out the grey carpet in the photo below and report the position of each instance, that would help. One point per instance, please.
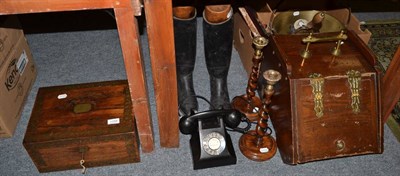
(92, 56)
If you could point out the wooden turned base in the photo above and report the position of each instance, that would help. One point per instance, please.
(247, 107)
(257, 149)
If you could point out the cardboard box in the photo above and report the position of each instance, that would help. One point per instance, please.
(17, 73)
(245, 30)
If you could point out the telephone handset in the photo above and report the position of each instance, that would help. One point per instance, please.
(211, 145)
(188, 124)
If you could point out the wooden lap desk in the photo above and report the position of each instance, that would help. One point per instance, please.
(161, 45)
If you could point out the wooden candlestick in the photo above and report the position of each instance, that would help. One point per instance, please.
(248, 103)
(258, 144)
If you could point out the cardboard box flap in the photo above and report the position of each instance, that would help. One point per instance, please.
(10, 32)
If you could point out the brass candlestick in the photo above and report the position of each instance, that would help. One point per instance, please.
(248, 103)
(258, 144)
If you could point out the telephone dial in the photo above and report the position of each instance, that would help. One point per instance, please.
(210, 143)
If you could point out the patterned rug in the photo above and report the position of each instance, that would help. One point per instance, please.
(384, 42)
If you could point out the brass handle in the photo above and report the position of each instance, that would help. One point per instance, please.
(311, 39)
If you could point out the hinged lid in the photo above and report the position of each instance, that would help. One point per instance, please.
(352, 54)
(81, 110)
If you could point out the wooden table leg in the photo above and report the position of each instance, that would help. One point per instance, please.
(391, 84)
(134, 66)
(162, 54)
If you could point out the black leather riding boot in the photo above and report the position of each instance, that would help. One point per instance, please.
(185, 51)
(218, 50)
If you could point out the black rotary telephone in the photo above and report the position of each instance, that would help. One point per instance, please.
(210, 143)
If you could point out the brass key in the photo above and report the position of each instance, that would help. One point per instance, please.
(82, 161)
(83, 166)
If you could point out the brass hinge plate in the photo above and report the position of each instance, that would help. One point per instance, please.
(317, 82)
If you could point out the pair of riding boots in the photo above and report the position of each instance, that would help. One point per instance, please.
(217, 49)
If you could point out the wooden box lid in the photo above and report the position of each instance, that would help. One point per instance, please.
(354, 55)
(81, 110)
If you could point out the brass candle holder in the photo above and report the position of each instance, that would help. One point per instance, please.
(258, 144)
(249, 104)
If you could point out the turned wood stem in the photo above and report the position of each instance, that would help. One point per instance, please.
(262, 125)
(260, 43)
